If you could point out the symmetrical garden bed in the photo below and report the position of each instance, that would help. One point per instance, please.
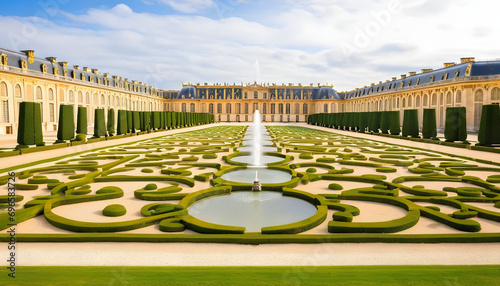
(364, 191)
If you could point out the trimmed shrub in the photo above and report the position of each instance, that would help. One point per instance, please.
(375, 118)
(455, 128)
(114, 210)
(386, 170)
(209, 156)
(305, 156)
(136, 121)
(66, 128)
(395, 123)
(489, 129)
(122, 122)
(130, 119)
(99, 123)
(30, 125)
(410, 123)
(385, 122)
(429, 126)
(335, 187)
(81, 121)
(111, 122)
(311, 170)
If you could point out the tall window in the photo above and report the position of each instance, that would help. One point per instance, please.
(51, 94)
(80, 97)
(495, 95)
(264, 108)
(246, 108)
(3, 90)
(287, 108)
(183, 107)
(211, 108)
(39, 95)
(297, 108)
(325, 108)
(219, 107)
(193, 107)
(87, 98)
(71, 96)
(478, 106)
(52, 112)
(304, 108)
(17, 91)
(255, 95)
(458, 97)
(238, 108)
(228, 108)
(449, 98)
(5, 111)
(280, 108)
(434, 99)
(273, 108)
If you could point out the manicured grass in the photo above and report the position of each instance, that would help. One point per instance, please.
(288, 275)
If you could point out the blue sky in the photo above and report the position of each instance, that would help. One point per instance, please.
(167, 42)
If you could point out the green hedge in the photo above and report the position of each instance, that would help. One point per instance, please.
(111, 122)
(66, 128)
(429, 126)
(455, 127)
(385, 122)
(99, 123)
(410, 123)
(81, 122)
(30, 125)
(395, 122)
(122, 127)
(489, 128)
(136, 121)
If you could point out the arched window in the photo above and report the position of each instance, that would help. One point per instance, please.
(238, 108)
(211, 108)
(103, 99)
(280, 108)
(325, 108)
(495, 95)
(273, 108)
(228, 108)
(80, 97)
(426, 100)
(297, 108)
(193, 107)
(255, 95)
(478, 107)
(219, 107)
(458, 97)
(71, 96)
(87, 98)
(434, 99)
(39, 95)
(417, 101)
(246, 108)
(264, 108)
(183, 108)
(51, 94)
(3, 90)
(287, 108)
(17, 91)
(304, 108)
(449, 97)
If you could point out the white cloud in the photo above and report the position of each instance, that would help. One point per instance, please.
(188, 6)
(301, 44)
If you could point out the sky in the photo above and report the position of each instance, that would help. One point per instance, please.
(165, 43)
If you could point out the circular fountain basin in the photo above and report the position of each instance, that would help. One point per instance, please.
(266, 176)
(263, 159)
(252, 210)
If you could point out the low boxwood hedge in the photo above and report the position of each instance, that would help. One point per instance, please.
(114, 210)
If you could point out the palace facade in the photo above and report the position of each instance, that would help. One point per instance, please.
(24, 77)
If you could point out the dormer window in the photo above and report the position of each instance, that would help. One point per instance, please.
(56, 71)
(44, 68)
(457, 73)
(431, 78)
(82, 76)
(3, 59)
(418, 81)
(445, 76)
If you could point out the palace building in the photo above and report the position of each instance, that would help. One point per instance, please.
(24, 77)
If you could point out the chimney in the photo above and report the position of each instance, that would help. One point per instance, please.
(426, 70)
(450, 64)
(403, 76)
(394, 78)
(94, 71)
(64, 64)
(467, 60)
(413, 73)
(86, 69)
(76, 67)
(52, 59)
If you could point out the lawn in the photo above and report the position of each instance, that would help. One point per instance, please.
(288, 275)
